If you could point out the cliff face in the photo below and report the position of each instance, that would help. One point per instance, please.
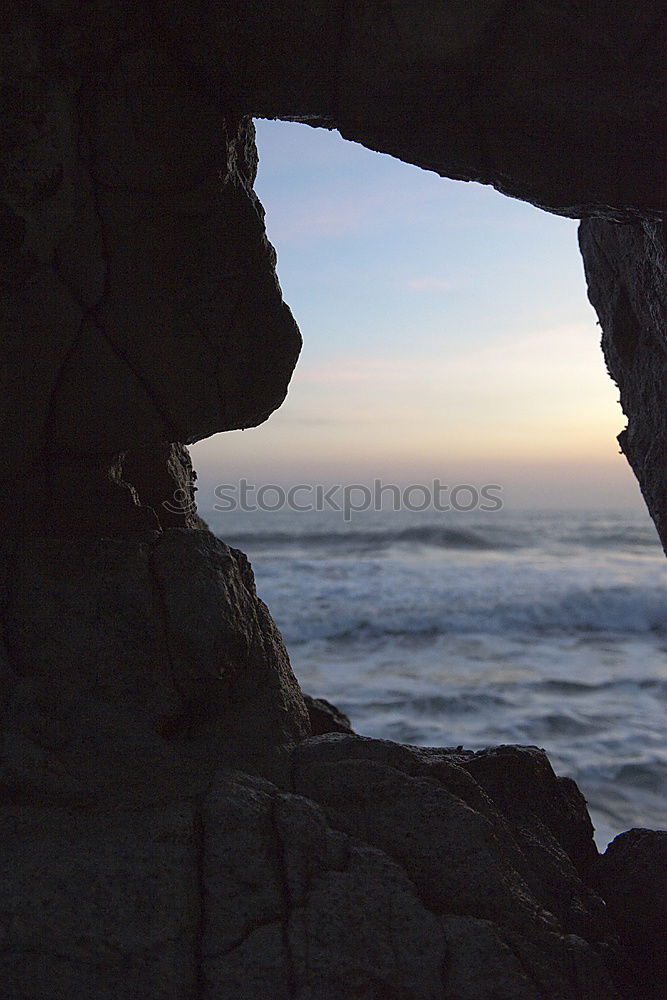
(555, 103)
(140, 304)
(166, 832)
(626, 270)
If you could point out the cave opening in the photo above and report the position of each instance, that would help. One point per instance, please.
(448, 339)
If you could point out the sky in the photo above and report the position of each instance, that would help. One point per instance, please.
(446, 333)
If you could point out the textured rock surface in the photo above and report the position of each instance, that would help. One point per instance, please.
(99, 905)
(626, 270)
(240, 891)
(136, 660)
(529, 917)
(296, 909)
(162, 478)
(557, 103)
(406, 882)
(632, 877)
(325, 717)
(139, 300)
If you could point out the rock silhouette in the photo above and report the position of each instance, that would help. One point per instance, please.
(170, 829)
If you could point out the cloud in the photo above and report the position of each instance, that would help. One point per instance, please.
(547, 364)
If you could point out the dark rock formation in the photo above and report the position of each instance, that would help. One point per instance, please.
(556, 103)
(138, 666)
(626, 270)
(539, 806)
(423, 806)
(139, 300)
(405, 881)
(163, 479)
(632, 877)
(139, 312)
(325, 717)
(242, 892)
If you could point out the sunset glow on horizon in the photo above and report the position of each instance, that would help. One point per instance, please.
(446, 332)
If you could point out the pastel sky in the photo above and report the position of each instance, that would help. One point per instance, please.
(446, 333)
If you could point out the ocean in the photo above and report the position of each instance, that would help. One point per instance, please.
(539, 628)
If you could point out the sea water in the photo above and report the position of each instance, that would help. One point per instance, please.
(466, 629)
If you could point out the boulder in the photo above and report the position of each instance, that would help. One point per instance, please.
(137, 660)
(631, 877)
(325, 717)
(515, 910)
(395, 877)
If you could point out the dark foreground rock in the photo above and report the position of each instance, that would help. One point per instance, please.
(632, 877)
(387, 872)
(141, 860)
(485, 91)
(140, 663)
(325, 717)
(503, 881)
(246, 893)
